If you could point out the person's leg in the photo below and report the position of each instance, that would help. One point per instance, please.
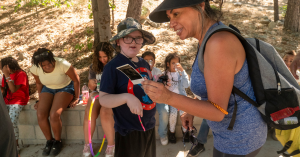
(172, 123)
(60, 102)
(151, 144)
(136, 144)
(202, 139)
(14, 112)
(107, 122)
(163, 112)
(95, 114)
(203, 132)
(43, 109)
(172, 119)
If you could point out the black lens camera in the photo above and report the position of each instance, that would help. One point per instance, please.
(163, 79)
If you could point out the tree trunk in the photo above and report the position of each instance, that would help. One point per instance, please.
(134, 9)
(104, 20)
(276, 11)
(292, 17)
(95, 17)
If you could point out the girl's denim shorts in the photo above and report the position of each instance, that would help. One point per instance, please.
(69, 89)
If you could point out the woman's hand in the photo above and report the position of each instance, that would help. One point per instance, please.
(179, 67)
(6, 70)
(36, 105)
(135, 105)
(187, 120)
(295, 65)
(73, 103)
(156, 91)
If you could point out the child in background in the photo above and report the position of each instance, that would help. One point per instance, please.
(289, 57)
(15, 89)
(134, 111)
(102, 55)
(162, 109)
(179, 80)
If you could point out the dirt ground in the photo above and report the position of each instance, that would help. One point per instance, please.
(63, 29)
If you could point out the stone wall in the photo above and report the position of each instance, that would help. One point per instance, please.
(72, 131)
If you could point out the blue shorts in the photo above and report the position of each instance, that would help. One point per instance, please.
(69, 89)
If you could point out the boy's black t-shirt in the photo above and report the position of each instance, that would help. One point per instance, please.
(114, 81)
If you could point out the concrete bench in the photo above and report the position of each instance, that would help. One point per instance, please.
(72, 130)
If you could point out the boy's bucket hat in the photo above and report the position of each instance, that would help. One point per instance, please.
(159, 14)
(130, 25)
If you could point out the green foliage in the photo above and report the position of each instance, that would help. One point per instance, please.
(3, 8)
(144, 10)
(79, 46)
(214, 7)
(89, 45)
(18, 5)
(284, 9)
(35, 3)
(89, 32)
(111, 5)
(90, 8)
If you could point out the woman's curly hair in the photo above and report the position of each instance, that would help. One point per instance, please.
(41, 55)
(108, 50)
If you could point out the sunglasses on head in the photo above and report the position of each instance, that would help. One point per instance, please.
(46, 53)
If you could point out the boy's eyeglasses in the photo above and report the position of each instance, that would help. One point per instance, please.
(192, 137)
(128, 40)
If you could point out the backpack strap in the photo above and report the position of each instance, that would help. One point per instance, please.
(201, 50)
(292, 154)
(288, 145)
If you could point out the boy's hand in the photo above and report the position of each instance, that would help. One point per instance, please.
(135, 105)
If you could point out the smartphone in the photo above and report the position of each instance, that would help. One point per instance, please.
(131, 73)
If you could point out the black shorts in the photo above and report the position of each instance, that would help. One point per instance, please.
(136, 144)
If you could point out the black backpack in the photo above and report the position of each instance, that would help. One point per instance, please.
(276, 90)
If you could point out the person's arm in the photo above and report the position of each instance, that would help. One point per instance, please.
(92, 84)
(295, 65)
(184, 76)
(11, 84)
(39, 87)
(220, 67)
(185, 79)
(38, 83)
(92, 79)
(75, 78)
(115, 100)
(2, 89)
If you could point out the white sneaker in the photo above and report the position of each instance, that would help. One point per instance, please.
(110, 151)
(164, 141)
(86, 151)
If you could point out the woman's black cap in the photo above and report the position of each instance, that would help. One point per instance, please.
(159, 14)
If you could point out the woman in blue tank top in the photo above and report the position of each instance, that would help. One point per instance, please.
(225, 66)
